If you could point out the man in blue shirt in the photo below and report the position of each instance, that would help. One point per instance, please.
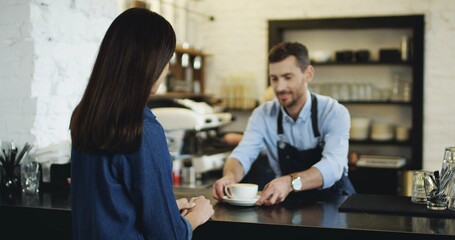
(306, 135)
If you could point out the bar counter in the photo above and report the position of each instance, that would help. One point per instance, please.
(48, 215)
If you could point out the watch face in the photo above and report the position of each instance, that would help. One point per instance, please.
(296, 184)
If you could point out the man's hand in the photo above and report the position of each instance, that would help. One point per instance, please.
(232, 173)
(275, 191)
(218, 187)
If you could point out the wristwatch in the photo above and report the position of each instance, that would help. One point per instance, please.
(296, 183)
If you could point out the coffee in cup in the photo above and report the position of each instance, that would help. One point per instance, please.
(241, 190)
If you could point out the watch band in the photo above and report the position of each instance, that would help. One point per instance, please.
(293, 178)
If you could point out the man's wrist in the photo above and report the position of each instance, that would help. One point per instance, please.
(230, 176)
(290, 182)
(296, 182)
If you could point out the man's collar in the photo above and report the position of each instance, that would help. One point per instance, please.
(305, 112)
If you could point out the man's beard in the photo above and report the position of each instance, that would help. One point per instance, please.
(289, 101)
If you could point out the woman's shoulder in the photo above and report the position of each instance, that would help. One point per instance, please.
(150, 119)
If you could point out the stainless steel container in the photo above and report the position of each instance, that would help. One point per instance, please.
(189, 175)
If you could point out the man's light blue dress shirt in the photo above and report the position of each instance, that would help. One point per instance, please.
(334, 125)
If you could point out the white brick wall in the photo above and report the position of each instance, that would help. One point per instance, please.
(67, 35)
(16, 66)
(47, 49)
(238, 41)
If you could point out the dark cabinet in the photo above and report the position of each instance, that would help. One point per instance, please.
(375, 54)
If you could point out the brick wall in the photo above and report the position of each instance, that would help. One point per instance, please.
(16, 67)
(48, 48)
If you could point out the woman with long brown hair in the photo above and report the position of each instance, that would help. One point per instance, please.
(121, 176)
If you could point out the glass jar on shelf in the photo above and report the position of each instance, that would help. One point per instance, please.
(396, 94)
(407, 90)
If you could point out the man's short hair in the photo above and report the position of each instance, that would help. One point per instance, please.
(283, 50)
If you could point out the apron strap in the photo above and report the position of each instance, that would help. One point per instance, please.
(314, 118)
(280, 122)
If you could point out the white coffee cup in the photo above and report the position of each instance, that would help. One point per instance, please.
(241, 190)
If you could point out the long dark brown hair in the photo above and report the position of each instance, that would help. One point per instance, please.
(136, 48)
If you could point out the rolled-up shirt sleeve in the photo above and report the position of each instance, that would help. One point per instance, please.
(253, 140)
(336, 138)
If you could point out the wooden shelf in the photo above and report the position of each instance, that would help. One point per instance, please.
(369, 63)
(383, 143)
(182, 95)
(167, 99)
(191, 51)
(377, 102)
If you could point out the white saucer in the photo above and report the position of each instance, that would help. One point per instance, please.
(241, 202)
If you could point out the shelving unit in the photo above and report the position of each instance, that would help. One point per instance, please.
(186, 72)
(372, 33)
(185, 80)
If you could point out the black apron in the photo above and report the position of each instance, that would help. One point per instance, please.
(260, 172)
(293, 160)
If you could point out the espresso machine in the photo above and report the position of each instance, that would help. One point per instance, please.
(193, 135)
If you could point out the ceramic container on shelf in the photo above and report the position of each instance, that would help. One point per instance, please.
(359, 128)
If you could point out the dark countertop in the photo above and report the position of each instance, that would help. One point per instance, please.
(320, 220)
(49, 215)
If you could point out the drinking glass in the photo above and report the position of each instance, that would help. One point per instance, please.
(436, 196)
(344, 91)
(448, 171)
(419, 194)
(30, 177)
(451, 195)
(448, 167)
(354, 91)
